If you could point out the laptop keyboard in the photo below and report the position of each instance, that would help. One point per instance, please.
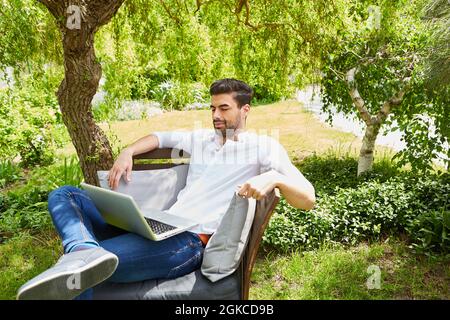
(158, 227)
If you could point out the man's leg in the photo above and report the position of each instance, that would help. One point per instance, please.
(143, 259)
(75, 218)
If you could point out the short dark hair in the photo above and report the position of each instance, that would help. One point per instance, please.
(243, 93)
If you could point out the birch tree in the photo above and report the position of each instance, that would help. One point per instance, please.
(375, 72)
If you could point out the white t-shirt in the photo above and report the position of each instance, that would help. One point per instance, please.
(215, 171)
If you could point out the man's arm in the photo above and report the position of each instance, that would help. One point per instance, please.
(280, 173)
(298, 191)
(124, 162)
(158, 139)
(144, 144)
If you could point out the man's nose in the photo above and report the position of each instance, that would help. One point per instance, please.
(217, 115)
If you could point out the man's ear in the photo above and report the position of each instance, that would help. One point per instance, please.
(246, 108)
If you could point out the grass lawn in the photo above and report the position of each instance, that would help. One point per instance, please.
(25, 256)
(327, 273)
(342, 273)
(298, 129)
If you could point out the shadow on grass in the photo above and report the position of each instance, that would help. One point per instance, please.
(25, 256)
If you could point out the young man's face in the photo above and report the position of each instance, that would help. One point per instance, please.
(226, 114)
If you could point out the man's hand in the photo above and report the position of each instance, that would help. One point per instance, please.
(122, 166)
(258, 187)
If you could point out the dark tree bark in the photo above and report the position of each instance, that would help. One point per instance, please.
(78, 20)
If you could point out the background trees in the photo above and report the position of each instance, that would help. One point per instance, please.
(377, 72)
(376, 60)
(164, 50)
(437, 13)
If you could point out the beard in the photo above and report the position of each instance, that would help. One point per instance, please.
(226, 128)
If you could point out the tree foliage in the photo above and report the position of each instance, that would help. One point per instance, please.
(29, 36)
(437, 13)
(385, 59)
(171, 50)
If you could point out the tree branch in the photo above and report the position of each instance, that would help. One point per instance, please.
(237, 11)
(104, 10)
(338, 74)
(55, 8)
(394, 101)
(174, 18)
(199, 4)
(96, 13)
(356, 97)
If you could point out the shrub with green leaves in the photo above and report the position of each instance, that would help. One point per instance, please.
(9, 172)
(366, 209)
(177, 95)
(330, 172)
(25, 207)
(30, 120)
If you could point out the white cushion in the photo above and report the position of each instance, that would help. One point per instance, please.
(225, 248)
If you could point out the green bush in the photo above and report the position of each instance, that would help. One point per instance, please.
(26, 207)
(177, 95)
(145, 84)
(105, 110)
(9, 172)
(168, 95)
(349, 210)
(30, 121)
(330, 172)
(264, 95)
(430, 231)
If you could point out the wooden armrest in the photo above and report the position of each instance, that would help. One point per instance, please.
(159, 154)
(264, 211)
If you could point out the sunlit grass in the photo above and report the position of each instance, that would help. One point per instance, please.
(25, 256)
(342, 273)
(298, 130)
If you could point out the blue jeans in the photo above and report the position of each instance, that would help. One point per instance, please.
(77, 220)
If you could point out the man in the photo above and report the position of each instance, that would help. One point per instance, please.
(223, 160)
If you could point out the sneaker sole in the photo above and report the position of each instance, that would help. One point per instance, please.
(66, 286)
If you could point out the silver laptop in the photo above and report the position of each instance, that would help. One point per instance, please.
(121, 210)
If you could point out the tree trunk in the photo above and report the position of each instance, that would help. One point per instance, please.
(82, 75)
(78, 22)
(373, 123)
(365, 161)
